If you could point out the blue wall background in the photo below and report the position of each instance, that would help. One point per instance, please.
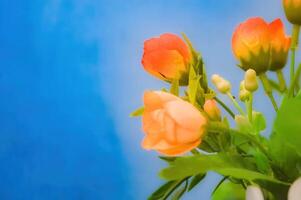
(69, 76)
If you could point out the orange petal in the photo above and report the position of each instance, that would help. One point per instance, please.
(250, 36)
(164, 63)
(173, 42)
(279, 40)
(180, 149)
(185, 136)
(185, 114)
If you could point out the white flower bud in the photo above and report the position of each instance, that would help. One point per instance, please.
(251, 83)
(221, 84)
(254, 193)
(294, 192)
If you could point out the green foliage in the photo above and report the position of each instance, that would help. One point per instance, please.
(285, 142)
(229, 191)
(169, 188)
(174, 88)
(233, 166)
(193, 85)
(195, 180)
(257, 125)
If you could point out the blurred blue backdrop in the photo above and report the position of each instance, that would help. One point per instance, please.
(70, 75)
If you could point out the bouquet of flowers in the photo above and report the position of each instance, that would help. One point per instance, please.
(195, 132)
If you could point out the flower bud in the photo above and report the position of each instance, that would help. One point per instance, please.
(292, 10)
(294, 192)
(251, 45)
(210, 107)
(244, 94)
(167, 57)
(280, 45)
(221, 84)
(254, 193)
(261, 46)
(250, 82)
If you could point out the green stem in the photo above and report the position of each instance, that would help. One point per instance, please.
(275, 85)
(294, 82)
(225, 107)
(250, 107)
(268, 89)
(281, 79)
(237, 106)
(294, 46)
(220, 127)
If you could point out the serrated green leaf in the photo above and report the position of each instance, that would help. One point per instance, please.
(229, 191)
(234, 166)
(196, 180)
(137, 112)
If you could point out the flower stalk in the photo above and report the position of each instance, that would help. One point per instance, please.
(268, 89)
(294, 46)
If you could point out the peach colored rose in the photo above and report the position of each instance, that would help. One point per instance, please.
(292, 10)
(260, 46)
(172, 126)
(210, 107)
(166, 57)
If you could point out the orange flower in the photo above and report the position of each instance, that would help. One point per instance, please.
(292, 10)
(210, 107)
(172, 126)
(167, 57)
(251, 44)
(280, 45)
(261, 46)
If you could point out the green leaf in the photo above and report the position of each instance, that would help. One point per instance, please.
(285, 142)
(233, 166)
(137, 112)
(167, 189)
(229, 191)
(259, 123)
(188, 42)
(261, 161)
(287, 124)
(167, 159)
(180, 192)
(174, 89)
(196, 180)
(193, 84)
(160, 192)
